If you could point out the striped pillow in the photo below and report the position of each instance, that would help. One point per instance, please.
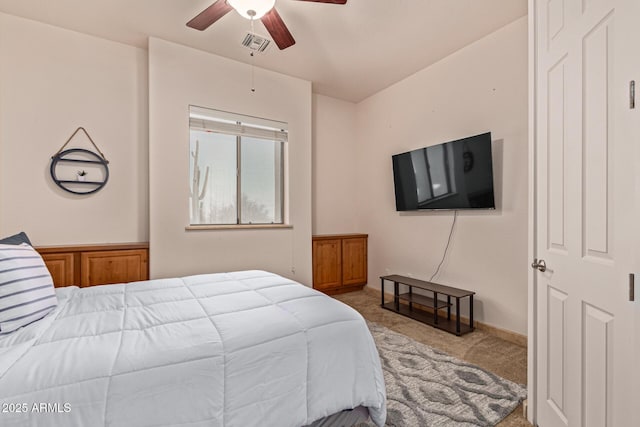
(26, 287)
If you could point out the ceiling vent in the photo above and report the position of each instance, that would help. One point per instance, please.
(256, 42)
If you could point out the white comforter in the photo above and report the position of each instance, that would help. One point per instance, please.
(235, 349)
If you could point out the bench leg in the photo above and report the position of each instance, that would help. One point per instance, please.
(382, 286)
(396, 292)
(471, 311)
(435, 308)
(458, 316)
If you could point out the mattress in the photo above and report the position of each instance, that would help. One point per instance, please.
(246, 348)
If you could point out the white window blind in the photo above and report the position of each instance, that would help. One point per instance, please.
(236, 124)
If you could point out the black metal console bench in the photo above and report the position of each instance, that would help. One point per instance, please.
(433, 319)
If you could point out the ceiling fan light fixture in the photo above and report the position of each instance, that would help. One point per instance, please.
(252, 9)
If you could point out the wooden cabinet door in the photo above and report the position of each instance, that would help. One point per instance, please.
(327, 263)
(105, 267)
(61, 267)
(354, 261)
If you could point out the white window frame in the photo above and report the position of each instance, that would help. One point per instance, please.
(240, 125)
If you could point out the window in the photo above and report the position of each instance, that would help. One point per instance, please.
(236, 172)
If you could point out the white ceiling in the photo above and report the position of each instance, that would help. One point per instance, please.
(348, 51)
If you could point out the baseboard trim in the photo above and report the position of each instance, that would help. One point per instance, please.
(341, 289)
(510, 336)
(506, 335)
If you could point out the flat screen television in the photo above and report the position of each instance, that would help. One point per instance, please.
(451, 176)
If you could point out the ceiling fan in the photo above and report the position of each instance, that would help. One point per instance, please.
(252, 9)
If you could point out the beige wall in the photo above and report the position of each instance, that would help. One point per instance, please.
(180, 76)
(52, 81)
(480, 88)
(334, 166)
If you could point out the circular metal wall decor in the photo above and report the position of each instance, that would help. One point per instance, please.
(75, 169)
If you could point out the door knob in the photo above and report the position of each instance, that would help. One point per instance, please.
(540, 265)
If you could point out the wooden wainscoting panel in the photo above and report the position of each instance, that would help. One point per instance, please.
(339, 262)
(61, 267)
(96, 264)
(354, 261)
(327, 263)
(106, 267)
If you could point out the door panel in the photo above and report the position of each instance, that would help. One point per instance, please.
(596, 177)
(597, 370)
(556, 329)
(556, 19)
(556, 165)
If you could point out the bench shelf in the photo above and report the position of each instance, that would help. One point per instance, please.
(404, 303)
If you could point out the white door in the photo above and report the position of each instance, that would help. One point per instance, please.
(585, 212)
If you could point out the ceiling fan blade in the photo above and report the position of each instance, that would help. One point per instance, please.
(329, 1)
(278, 30)
(210, 15)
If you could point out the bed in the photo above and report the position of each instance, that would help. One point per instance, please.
(247, 348)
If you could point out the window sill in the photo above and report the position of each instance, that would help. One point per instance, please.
(238, 227)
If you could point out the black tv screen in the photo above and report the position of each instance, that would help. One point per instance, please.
(453, 175)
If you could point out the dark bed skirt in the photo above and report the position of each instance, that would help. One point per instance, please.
(346, 418)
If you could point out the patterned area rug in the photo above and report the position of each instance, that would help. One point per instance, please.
(426, 387)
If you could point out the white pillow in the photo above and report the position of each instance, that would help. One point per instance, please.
(26, 287)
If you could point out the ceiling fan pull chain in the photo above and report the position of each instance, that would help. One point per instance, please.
(253, 87)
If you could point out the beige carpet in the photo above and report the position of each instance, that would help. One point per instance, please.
(501, 357)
